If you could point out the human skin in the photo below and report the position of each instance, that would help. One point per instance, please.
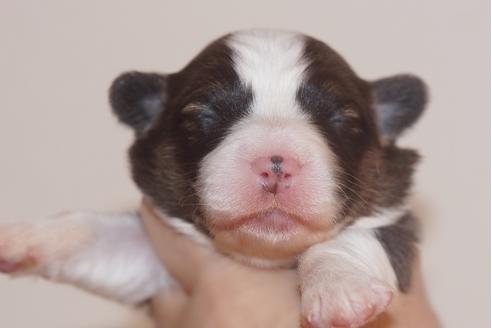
(215, 291)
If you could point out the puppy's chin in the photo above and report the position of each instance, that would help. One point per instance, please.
(268, 239)
(262, 263)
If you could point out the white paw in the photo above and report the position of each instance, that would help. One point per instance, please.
(343, 301)
(27, 246)
(18, 251)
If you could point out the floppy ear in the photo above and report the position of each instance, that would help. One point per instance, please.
(138, 98)
(398, 101)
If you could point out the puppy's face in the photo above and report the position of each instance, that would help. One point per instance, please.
(268, 141)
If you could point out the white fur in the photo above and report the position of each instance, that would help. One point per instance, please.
(354, 248)
(228, 182)
(271, 63)
(107, 254)
(186, 229)
(348, 279)
(381, 218)
(265, 264)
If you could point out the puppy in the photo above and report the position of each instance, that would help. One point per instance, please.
(268, 147)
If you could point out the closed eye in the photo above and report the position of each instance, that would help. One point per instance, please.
(346, 115)
(350, 114)
(199, 117)
(192, 109)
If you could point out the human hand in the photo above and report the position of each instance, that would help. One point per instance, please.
(216, 291)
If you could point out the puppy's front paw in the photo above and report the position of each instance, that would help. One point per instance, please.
(18, 249)
(27, 246)
(343, 301)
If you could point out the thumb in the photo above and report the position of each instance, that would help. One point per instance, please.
(183, 258)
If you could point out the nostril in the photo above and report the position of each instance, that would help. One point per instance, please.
(264, 175)
(287, 176)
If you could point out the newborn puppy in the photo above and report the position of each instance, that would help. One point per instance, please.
(268, 147)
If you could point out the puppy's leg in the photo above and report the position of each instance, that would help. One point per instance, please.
(106, 254)
(347, 281)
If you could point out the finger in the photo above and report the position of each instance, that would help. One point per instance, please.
(413, 309)
(409, 310)
(183, 258)
(168, 307)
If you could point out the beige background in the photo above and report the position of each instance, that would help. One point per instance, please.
(62, 149)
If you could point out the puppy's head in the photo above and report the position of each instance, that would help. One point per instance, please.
(268, 141)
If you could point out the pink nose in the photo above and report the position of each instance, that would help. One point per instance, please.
(276, 173)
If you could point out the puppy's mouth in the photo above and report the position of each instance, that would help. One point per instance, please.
(269, 234)
(270, 221)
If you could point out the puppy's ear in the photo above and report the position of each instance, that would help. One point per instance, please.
(138, 98)
(398, 101)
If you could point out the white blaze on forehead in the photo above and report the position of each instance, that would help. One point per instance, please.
(272, 63)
